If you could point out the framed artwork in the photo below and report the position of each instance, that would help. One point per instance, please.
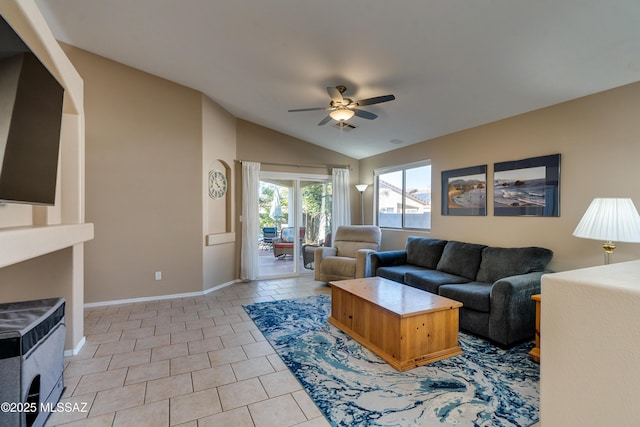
(464, 191)
(528, 187)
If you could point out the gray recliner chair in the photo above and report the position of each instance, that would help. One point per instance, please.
(347, 258)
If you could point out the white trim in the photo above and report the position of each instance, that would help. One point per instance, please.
(160, 297)
(223, 285)
(376, 188)
(77, 349)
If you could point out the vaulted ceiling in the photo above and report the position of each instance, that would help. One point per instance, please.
(452, 64)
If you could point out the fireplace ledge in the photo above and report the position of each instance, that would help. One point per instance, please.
(19, 244)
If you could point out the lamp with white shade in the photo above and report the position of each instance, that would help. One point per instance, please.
(361, 188)
(609, 220)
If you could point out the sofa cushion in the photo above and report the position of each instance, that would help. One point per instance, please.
(461, 259)
(424, 252)
(472, 295)
(504, 262)
(431, 280)
(397, 272)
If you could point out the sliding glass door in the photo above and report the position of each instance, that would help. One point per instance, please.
(294, 213)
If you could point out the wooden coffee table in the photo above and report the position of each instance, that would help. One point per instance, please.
(405, 326)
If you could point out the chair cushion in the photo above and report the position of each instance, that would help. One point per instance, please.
(287, 234)
(473, 295)
(339, 266)
(359, 233)
(461, 259)
(350, 238)
(504, 262)
(424, 252)
(431, 280)
(283, 245)
(350, 249)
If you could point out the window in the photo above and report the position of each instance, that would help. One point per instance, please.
(404, 196)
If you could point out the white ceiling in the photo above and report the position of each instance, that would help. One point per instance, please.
(452, 64)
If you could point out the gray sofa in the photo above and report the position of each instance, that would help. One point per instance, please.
(494, 284)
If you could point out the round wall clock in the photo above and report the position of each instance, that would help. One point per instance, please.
(217, 184)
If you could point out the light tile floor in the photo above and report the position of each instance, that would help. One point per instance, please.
(196, 361)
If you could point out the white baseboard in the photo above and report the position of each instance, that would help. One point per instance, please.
(77, 349)
(160, 297)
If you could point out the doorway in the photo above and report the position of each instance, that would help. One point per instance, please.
(294, 217)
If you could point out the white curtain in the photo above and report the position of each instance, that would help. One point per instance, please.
(249, 251)
(341, 208)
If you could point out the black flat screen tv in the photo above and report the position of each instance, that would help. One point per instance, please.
(30, 120)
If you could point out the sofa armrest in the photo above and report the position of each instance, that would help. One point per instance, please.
(513, 313)
(386, 259)
(363, 263)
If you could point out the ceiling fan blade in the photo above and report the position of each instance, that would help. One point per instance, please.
(375, 100)
(365, 114)
(335, 95)
(311, 109)
(324, 121)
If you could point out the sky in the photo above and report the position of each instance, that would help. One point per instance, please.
(415, 178)
(522, 174)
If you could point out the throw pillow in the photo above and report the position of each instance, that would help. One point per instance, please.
(287, 234)
(461, 259)
(424, 252)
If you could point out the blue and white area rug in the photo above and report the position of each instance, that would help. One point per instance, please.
(486, 386)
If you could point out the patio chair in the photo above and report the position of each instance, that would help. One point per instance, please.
(268, 234)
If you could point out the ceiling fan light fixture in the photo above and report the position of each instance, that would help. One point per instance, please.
(341, 114)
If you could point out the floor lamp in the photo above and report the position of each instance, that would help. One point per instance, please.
(361, 188)
(610, 220)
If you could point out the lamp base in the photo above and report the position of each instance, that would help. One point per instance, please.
(608, 247)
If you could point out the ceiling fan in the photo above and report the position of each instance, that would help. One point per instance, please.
(343, 108)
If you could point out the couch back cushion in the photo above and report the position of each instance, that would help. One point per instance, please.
(504, 262)
(350, 238)
(461, 259)
(424, 252)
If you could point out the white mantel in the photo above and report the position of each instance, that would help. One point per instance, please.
(23, 243)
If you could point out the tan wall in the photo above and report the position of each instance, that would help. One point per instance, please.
(597, 137)
(143, 181)
(15, 215)
(218, 152)
(260, 144)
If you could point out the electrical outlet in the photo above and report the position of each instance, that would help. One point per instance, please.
(158, 275)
